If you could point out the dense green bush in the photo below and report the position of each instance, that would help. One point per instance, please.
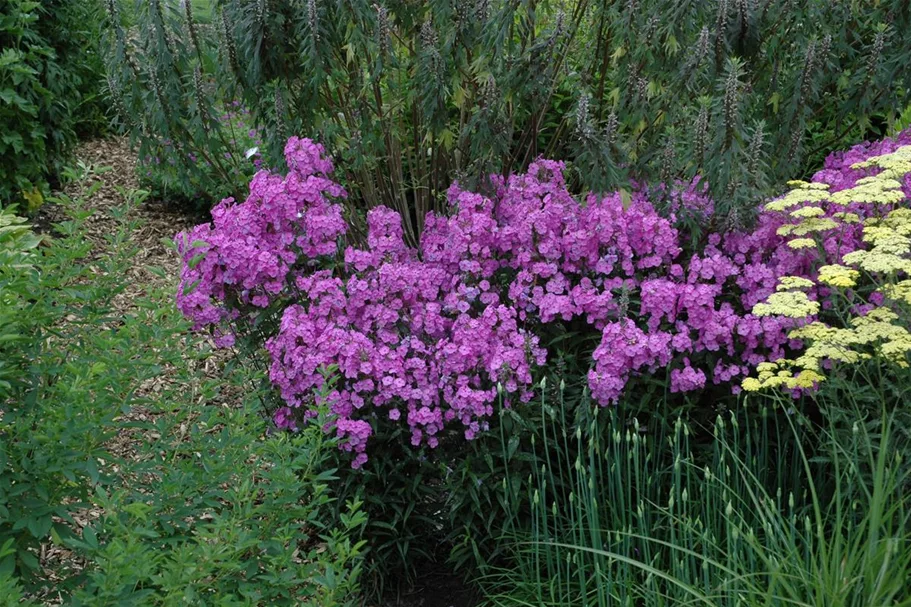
(17, 257)
(100, 454)
(408, 96)
(51, 71)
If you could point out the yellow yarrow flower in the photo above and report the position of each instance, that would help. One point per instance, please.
(816, 331)
(896, 164)
(897, 350)
(766, 367)
(836, 275)
(792, 304)
(751, 384)
(807, 379)
(807, 226)
(802, 243)
(798, 196)
(808, 212)
(846, 217)
(871, 190)
(876, 315)
(877, 261)
(900, 291)
(788, 283)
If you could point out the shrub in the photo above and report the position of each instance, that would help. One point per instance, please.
(409, 96)
(17, 258)
(192, 179)
(50, 76)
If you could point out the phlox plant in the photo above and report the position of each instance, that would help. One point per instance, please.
(425, 337)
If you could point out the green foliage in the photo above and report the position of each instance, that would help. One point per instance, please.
(17, 257)
(110, 411)
(403, 497)
(50, 79)
(773, 511)
(408, 96)
(251, 534)
(51, 454)
(11, 592)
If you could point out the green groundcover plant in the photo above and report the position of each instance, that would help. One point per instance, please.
(155, 502)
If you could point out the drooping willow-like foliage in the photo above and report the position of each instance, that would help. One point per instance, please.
(410, 95)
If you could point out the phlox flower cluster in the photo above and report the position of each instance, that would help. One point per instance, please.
(432, 337)
(243, 258)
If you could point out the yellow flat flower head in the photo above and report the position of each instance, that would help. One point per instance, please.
(751, 384)
(836, 275)
(846, 217)
(804, 212)
(900, 291)
(792, 304)
(789, 283)
(878, 261)
(802, 243)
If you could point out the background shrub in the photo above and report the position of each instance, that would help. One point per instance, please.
(409, 96)
(51, 71)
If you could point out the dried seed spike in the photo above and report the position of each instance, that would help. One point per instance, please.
(191, 26)
(384, 36)
(313, 19)
(482, 10)
(228, 32)
(668, 157)
(755, 150)
(119, 106)
(825, 47)
(280, 113)
(809, 67)
(794, 148)
(611, 129)
(721, 28)
(875, 53)
(731, 97)
(201, 103)
(262, 13)
(584, 128)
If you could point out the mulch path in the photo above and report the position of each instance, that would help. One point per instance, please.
(115, 164)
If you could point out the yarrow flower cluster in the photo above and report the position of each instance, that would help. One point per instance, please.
(860, 199)
(433, 336)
